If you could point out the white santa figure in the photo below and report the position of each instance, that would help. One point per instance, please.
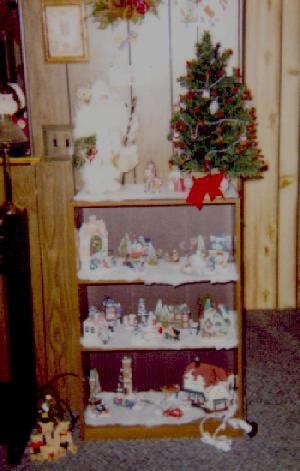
(104, 115)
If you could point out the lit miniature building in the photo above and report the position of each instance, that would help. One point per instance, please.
(127, 374)
(95, 328)
(93, 243)
(209, 386)
(113, 312)
(141, 312)
(140, 247)
(215, 320)
(124, 396)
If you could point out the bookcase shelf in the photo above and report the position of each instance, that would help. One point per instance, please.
(156, 361)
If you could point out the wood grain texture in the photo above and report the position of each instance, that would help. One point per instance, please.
(163, 431)
(47, 90)
(289, 154)
(150, 58)
(55, 188)
(25, 196)
(262, 73)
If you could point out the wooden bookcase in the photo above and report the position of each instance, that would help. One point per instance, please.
(167, 222)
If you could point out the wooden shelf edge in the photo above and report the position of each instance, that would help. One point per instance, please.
(147, 202)
(22, 160)
(137, 281)
(190, 429)
(133, 348)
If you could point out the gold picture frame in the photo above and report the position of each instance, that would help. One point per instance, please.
(64, 31)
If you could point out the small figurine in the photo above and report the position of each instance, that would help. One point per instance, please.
(125, 246)
(97, 408)
(173, 412)
(152, 183)
(94, 384)
(142, 313)
(172, 257)
(172, 334)
(219, 250)
(176, 181)
(129, 320)
(187, 266)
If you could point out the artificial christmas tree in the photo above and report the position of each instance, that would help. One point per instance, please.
(214, 127)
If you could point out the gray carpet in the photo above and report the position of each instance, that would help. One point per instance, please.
(272, 374)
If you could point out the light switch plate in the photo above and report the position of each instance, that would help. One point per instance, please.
(58, 142)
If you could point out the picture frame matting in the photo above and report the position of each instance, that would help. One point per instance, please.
(64, 31)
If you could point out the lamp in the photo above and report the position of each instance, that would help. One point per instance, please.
(10, 135)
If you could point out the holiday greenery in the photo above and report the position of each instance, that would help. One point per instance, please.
(84, 150)
(110, 11)
(214, 126)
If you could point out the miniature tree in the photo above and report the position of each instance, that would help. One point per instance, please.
(215, 125)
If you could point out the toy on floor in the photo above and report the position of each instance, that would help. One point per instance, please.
(52, 437)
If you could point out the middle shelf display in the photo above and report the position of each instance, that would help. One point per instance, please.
(177, 267)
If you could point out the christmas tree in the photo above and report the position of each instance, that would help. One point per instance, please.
(214, 126)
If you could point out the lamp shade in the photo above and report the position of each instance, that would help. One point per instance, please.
(10, 132)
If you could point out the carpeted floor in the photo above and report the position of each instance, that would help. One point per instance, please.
(273, 401)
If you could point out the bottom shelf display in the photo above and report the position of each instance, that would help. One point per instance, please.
(148, 409)
(207, 390)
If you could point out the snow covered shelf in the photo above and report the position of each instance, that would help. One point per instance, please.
(148, 410)
(164, 272)
(149, 339)
(136, 192)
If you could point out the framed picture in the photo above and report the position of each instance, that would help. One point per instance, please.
(64, 31)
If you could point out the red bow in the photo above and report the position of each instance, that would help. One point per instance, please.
(208, 185)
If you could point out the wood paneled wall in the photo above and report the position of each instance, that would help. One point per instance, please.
(272, 69)
(158, 53)
(45, 188)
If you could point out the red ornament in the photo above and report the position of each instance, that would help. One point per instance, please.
(142, 7)
(190, 95)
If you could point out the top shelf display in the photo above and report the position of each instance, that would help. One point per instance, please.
(152, 245)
